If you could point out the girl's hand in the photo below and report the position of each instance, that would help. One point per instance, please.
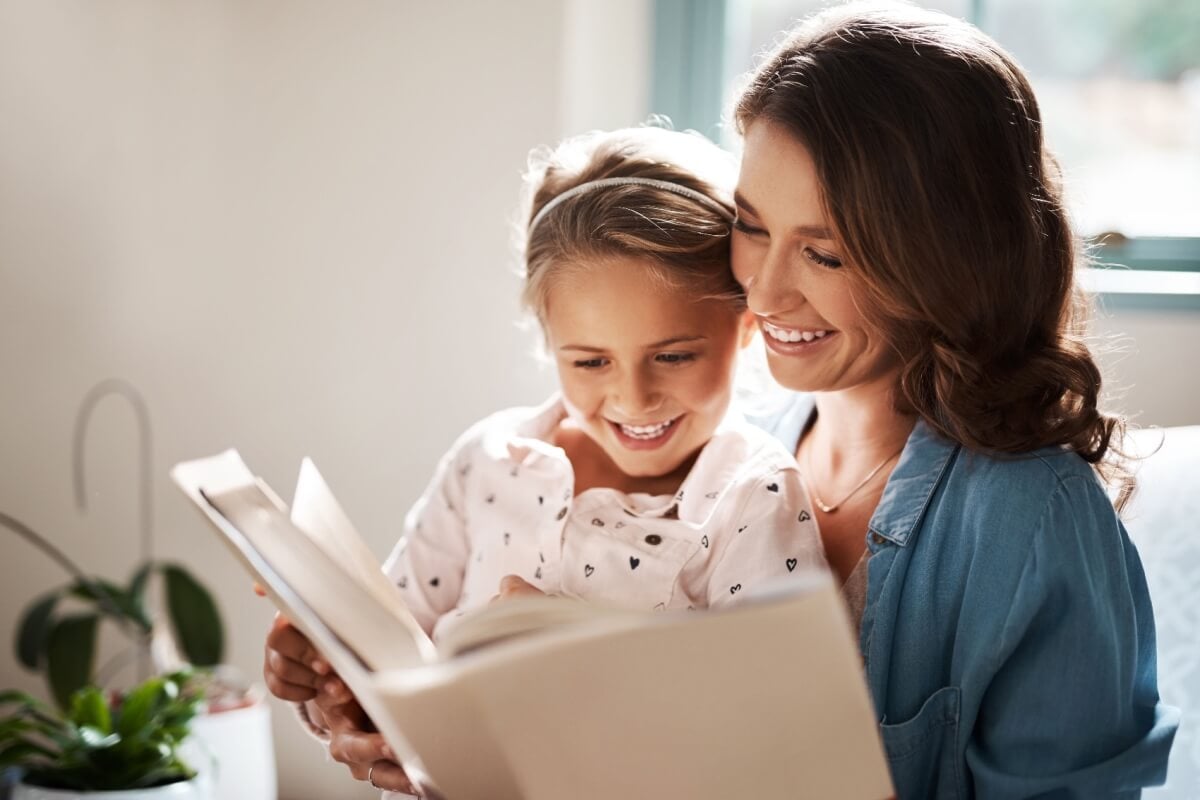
(516, 586)
(354, 742)
(292, 668)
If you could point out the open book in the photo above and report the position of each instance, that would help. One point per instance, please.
(546, 698)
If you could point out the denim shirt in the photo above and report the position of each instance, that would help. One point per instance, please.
(1008, 636)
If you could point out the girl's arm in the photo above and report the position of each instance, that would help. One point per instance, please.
(429, 561)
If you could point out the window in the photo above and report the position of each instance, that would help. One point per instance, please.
(1118, 82)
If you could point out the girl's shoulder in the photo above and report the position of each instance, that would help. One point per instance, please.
(510, 433)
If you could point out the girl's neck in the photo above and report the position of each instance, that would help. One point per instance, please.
(595, 470)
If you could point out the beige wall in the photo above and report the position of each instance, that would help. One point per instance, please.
(287, 223)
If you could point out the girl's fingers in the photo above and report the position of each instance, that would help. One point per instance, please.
(286, 639)
(516, 586)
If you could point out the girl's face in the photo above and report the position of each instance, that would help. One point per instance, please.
(646, 371)
(786, 257)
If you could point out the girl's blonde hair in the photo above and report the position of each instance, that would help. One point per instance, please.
(685, 242)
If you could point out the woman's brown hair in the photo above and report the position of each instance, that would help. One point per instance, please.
(927, 141)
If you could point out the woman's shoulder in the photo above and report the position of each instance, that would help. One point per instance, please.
(1006, 507)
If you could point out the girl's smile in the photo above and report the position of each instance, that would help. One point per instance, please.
(646, 437)
(646, 368)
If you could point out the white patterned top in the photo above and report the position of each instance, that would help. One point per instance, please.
(502, 502)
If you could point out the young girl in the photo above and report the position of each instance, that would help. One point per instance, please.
(636, 485)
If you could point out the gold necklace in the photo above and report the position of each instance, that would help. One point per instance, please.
(829, 509)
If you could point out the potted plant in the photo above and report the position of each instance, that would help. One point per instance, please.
(123, 745)
(170, 623)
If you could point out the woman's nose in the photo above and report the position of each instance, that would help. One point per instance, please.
(770, 286)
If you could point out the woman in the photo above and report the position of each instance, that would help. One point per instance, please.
(901, 237)
(903, 241)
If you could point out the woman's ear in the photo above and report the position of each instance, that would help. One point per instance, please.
(747, 327)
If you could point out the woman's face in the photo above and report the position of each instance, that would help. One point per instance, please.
(787, 258)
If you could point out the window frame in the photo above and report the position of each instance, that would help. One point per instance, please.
(686, 86)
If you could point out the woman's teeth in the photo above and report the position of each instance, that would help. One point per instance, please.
(647, 431)
(792, 335)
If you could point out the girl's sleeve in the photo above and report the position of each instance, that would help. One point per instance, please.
(429, 561)
(1073, 707)
(772, 535)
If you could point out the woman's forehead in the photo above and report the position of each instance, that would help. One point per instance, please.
(778, 180)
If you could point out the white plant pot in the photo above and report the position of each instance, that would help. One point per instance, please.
(234, 752)
(184, 790)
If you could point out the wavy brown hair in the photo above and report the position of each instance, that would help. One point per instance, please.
(927, 141)
(685, 243)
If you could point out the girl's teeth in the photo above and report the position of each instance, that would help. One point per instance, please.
(647, 431)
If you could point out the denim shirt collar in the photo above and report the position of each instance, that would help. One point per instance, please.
(922, 464)
(906, 496)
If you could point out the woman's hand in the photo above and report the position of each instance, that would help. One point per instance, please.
(354, 742)
(516, 586)
(292, 668)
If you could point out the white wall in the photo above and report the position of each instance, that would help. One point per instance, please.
(287, 224)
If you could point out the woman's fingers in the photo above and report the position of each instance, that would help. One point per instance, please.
(389, 775)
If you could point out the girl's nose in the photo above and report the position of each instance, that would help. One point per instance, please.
(637, 395)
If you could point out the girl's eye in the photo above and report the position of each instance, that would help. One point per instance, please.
(821, 259)
(740, 226)
(591, 363)
(674, 358)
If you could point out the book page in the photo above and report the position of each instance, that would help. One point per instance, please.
(343, 621)
(317, 513)
(288, 563)
(522, 616)
(765, 699)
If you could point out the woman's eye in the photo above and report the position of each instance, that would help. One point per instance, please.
(740, 226)
(822, 259)
(591, 363)
(674, 358)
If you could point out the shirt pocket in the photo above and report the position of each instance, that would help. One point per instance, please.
(625, 562)
(922, 751)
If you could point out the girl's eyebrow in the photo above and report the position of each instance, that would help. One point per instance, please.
(809, 231)
(663, 343)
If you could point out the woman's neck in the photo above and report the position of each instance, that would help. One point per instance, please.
(854, 429)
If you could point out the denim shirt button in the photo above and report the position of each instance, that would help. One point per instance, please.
(876, 539)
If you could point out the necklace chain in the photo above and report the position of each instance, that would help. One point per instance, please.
(829, 509)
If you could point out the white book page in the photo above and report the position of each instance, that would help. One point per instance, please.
(317, 512)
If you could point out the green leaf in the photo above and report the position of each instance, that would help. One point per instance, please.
(137, 584)
(138, 708)
(23, 752)
(97, 739)
(34, 625)
(89, 708)
(70, 651)
(194, 617)
(10, 696)
(137, 591)
(112, 601)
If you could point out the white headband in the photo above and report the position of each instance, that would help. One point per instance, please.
(667, 186)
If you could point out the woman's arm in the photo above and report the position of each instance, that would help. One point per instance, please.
(1073, 703)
